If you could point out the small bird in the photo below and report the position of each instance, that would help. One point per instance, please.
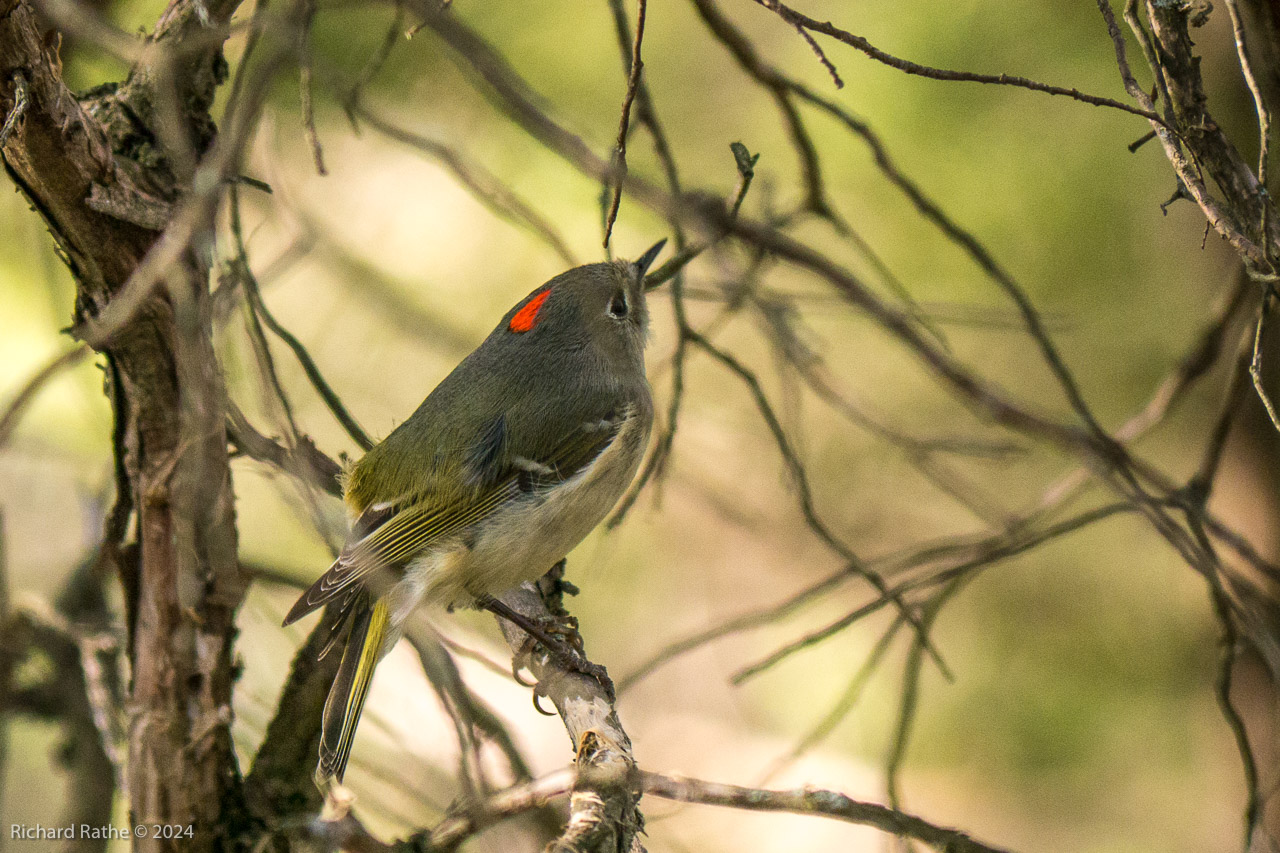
(505, 467)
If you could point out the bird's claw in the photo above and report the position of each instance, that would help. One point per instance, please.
(568, 657)
(538, 695)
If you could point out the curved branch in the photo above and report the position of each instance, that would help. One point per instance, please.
(811, 801)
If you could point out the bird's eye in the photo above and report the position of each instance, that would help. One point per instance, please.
(618, 306)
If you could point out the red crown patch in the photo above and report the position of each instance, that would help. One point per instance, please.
(527, 317)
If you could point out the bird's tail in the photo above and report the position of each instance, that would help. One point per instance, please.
(350, 688)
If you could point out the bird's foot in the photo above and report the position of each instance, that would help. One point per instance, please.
(560, 640)
(565, 629)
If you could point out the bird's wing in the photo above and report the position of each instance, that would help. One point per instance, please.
(387, 536)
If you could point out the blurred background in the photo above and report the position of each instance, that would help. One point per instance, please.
(1082, 714)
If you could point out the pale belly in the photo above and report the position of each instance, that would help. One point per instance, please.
(526, 539)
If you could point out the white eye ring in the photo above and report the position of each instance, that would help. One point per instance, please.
(618, 307)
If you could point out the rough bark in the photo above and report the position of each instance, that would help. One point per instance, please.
(81, 164)
(603, 809)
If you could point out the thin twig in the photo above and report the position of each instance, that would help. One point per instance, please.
(1230, 652)
(12, 413)
(986, 552)
(275, 392)
(1264, 130)
(624, 121)
(1211, 459)
(797, 19)
(483, 185)
(393, 36)
(785, 90)
(240, 85)
(1255, 364)
(1131, 86)
(816, 200)
(341, 830)
(801, 480)
(810, 801)
(922, 454)
(1180, 156)
(822, 57)
(303, 461)
(1230, 649)
(494, 666)
(305, 85)
(1141, 140)
(1201, 356)
(909, 700)
(312, 370)
(452, 691)
(745, 163)
(779, 83)
(843, 705)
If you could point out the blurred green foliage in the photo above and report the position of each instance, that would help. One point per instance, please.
(1081, 716)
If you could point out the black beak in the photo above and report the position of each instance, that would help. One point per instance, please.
(646, 260)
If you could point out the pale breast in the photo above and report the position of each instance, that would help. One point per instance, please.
(533, 533)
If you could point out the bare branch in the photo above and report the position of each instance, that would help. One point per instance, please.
(800, 478)
(1179, 83)
(443, 674)
(1255, 363)
(810, 801)
(602, 811)
(799, 20)
(303, 460)
(278, 787)
(305, 85)
(981, 554)
(672, 269)
(843, 705)
(258, 307)
(343, 831)
(486, 187)
(801, 140)
(822, 57)
(1230, 653)
(13, 412)
(619, 165)
(1259, 103)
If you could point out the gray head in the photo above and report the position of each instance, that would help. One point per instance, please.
(597, 305)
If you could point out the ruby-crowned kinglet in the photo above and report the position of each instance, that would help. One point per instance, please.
(505, 467)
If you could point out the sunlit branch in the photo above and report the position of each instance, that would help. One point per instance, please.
(811, 801)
